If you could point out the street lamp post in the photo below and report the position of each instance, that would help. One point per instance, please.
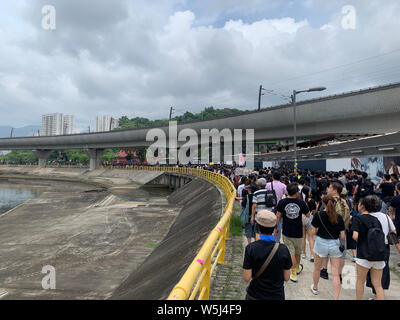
(295, 122)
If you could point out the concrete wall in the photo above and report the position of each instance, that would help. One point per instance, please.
(172, 180)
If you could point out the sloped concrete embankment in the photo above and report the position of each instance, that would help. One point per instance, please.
(156, 277)
(99, 177)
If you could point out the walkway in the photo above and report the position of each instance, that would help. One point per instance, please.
(227, 282)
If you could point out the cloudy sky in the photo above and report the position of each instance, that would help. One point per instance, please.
(139, 57)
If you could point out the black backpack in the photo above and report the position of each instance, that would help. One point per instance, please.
(377, 249)
(366, 188)
(270, 197)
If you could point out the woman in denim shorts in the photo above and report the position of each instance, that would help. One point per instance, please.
(328, 226)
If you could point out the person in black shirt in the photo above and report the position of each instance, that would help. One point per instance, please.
(270, 284)
(322, 185)
(395, 210)
(329, 228)
(247, 194)
(360, 227)
(387, 188)
(292, 209)
(350, 186)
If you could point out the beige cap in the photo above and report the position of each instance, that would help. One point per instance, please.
(266, 218)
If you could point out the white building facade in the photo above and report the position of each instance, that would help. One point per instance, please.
(57, 124)
(105, 123)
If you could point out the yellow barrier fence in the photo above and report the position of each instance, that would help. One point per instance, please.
(195, 283)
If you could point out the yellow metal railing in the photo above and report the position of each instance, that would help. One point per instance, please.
(196, 280)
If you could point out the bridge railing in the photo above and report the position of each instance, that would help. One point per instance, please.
(195, 283)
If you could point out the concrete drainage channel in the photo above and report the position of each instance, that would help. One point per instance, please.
(119, 259)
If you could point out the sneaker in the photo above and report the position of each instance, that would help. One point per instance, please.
(293, 275)
(353, 259)
(312, 258)
(299, 269)
(303, 256)
(324, 274)
(315, 292)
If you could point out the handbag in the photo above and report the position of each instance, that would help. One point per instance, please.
(391, 237)
(341, 247)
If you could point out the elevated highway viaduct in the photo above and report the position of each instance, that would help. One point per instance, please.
(370, 111)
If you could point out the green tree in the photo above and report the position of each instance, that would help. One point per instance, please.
(19, 157)
(76, 156)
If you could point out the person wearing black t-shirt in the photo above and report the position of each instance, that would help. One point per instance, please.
(329, 228)
(292, 209)
(322, 185)
(360, 227)
(247, 194)
(269, 285)
(395, 210)
(387, 188)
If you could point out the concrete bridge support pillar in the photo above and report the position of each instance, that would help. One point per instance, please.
(95, 157)
(42, 156)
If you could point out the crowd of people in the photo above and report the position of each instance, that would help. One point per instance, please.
(335, 212)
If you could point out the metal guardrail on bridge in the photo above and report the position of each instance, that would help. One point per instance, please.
(195, 283)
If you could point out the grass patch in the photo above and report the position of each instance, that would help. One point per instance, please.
(151, 245)
(236, 226)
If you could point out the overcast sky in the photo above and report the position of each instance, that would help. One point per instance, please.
(138, 58)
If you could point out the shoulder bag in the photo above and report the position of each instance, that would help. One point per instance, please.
(391, 237)
(266, 263)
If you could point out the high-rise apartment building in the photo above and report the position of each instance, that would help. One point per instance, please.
(57, 124)
(68, 124)
(105, 123)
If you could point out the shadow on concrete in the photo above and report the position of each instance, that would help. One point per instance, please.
(156, 277)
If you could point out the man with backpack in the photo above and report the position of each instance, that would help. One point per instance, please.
(278, 190)
(365, 188)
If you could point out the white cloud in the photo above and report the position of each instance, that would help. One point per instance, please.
(137, 59)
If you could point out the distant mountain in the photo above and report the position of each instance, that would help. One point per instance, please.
(27, 131)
